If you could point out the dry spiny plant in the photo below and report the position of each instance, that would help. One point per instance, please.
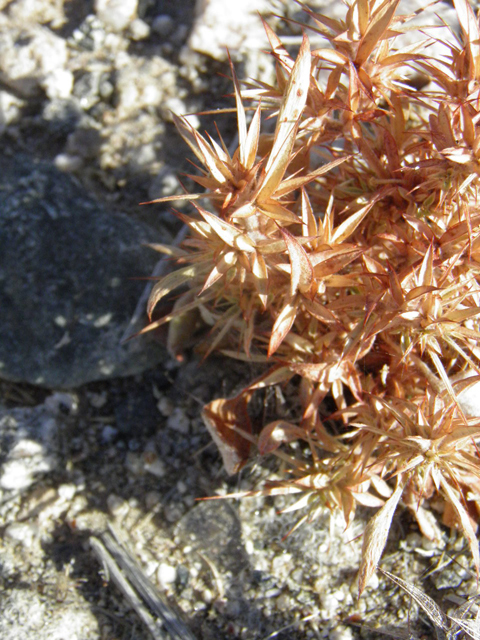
(343, 252)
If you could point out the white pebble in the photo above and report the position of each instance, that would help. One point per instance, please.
(166, 575)
(116, 14)
(165, 406)
(341, 633)
(68, 163)
(178, 421)
(470, 401)
(330, 604)
(21, 532)
(156, 467)
(373, 582)
(67, 491)
(16, 475)
(207, 596)
(117, 506)
(139, 29)
(58, 84)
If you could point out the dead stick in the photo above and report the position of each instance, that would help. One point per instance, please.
(138, 590)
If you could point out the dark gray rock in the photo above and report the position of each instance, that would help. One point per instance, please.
(67, 287)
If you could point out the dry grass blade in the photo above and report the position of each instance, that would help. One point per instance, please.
(294, 101)
(465, 522)
(430, 607)
(470, 28)
(282, 326)
(302, 278)
(169, 283)
(375, 537)
(441, 620)
(471, 627)
(378, 25)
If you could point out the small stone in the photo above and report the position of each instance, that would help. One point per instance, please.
(207, 596)
(166, 575)
(274, 592)
(20, 474)
(117, 506)
(180, 35)
(227, 24)
(105, 87)
(284, 602)
(139, 29)
(134, 463)
(145, 155)
(469, 400)
(281, 563)
(67, 491)
(84, 142)
(21, 532)
(183, 576)
(154, 465)
(79, 504)
(10, 109)
(163, 25)
(176, 106)
(330, 604)
(233, 608)
(165, 406)
(68, 163)
(133, 503)
(116, 14)
(341, 633)
(30, 55)
(58, 84)
(98, 400)
(297, 576)
(181, 487)
(373, 582)
(62, 403)
(152, 500)
(178, 421)
(413, 540)
(108, 434)
(173, 513)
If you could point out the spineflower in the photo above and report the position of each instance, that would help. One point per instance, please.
(342, 252)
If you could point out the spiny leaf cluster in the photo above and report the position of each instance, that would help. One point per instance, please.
(343, 251)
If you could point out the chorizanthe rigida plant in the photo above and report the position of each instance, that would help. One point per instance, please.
(343, 252)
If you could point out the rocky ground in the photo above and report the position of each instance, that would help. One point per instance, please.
(98, 433)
